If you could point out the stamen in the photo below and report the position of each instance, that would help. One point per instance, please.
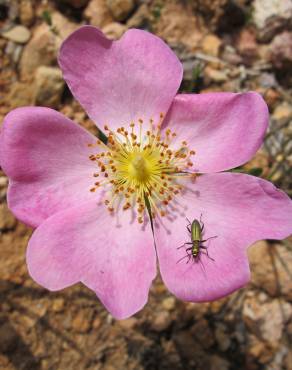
(135, 169)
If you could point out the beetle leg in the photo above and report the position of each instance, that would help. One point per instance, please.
(207, 254)
(184, 245)
(211, 237)
(202, 223)
(182, 258)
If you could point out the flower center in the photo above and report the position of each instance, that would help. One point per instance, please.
(138, 169)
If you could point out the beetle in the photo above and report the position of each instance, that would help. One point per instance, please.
(195, 228)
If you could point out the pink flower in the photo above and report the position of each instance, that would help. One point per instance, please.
(62, 180)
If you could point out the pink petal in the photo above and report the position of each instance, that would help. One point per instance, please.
(45, 155)
(225, 129)
(120, 81)
(114, 256)
(238, 209)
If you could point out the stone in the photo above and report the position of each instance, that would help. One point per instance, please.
(281, 51)
(271, 17)
(211, 45)
(247, 44)
(218, 363)
(43, 47)
(120, 9)
(41, 50)
(20, 95)
(13, 50)
(19, 34)
(128, 324)
(283, 111)
(7, 220)
(97, 13)
(172, 26)
(169, 303)
(230, 55)
(48, 86)
(161, 321)
(222, 337)
(58, 305)
(268, 271)
(214, 75)
(203, 333)
(82, 321)
(9, 337)
(114, 30)
(267, 321)
(271, 97)
(140, 18)
(26, 12)
(259, 350)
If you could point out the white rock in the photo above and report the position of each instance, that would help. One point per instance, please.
(19, 34)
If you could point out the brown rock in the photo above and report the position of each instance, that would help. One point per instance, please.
(41, 50)
(20, 95)
(44, 45)
(169, 303)
(128, 323)
(58, 305)
(218, 363)
(48, 86)
(82, 321)
(172, 26)
(26, 12)
(203, 333)
(120, 9)
(214, 75)
(259, 350)
(211, 45)
(283, 111)
(9, 337)
(269, 268)
(161, 321)
(271, 97)
(7, 220)
(139, 18)
(222, 337)
(114, 30)
(267, 320)
(97, 13)
(246, 43)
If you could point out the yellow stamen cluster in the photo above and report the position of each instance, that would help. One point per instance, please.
(140, 168)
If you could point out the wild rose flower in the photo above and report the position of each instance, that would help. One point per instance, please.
(88, 201)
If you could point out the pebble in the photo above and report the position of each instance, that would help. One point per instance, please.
(26, 12)
(19, 34)
(120, 9)
(7, 220)
(97, 13)
(169, 303)
(161, 321)
(211, 45)
(114, 30)
(48, 87)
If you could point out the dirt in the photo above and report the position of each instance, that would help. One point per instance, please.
(250, 329)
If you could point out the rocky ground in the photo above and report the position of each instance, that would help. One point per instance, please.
(225, 45)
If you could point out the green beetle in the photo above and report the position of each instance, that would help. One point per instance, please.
(196, 229)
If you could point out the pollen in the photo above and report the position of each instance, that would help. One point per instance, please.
(139, 169)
